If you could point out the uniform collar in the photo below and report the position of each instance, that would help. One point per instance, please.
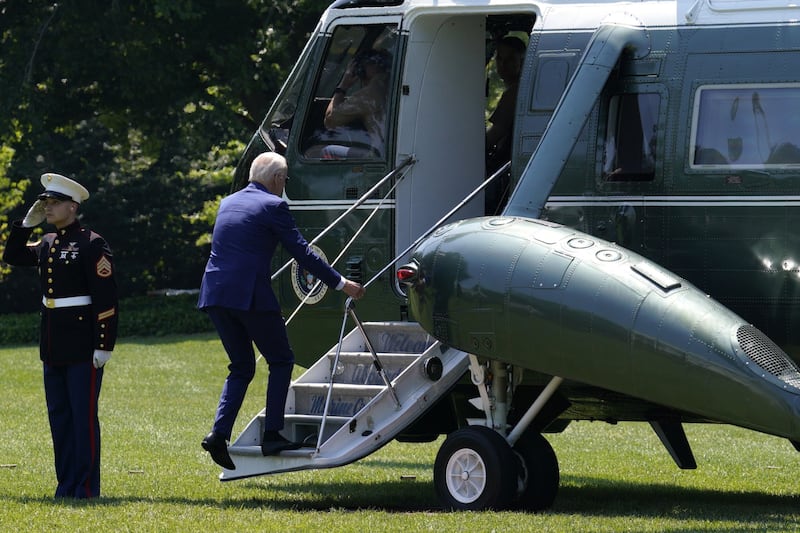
(75, 226)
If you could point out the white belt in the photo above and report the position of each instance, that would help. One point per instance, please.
(72, 301)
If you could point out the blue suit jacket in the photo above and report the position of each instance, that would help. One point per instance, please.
(250, 223)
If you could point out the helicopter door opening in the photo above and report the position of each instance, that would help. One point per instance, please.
(441, 122)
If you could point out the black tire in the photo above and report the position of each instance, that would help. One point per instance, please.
(540, 476)
(475, 469)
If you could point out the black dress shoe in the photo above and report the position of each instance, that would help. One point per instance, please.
(218, 448)
(274, 443)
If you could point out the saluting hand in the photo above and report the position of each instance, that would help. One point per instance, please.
(354, 290)
(35, 215)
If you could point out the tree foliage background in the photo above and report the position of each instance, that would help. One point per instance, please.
(149, 105)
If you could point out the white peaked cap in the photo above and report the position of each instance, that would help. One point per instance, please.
(62, 188)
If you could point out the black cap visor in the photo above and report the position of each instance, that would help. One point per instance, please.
(55, 195)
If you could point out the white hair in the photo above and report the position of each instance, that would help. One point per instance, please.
(265, 165)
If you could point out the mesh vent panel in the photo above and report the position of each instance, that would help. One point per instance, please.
(766, 354)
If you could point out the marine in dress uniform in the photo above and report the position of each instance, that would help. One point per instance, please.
(236, 292)
(78, 326)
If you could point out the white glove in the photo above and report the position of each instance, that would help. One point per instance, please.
(35, 215)
(100, 358)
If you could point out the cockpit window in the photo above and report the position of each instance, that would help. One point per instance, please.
(275, 129)
(347, 118)
(630, 145)
(746, 126)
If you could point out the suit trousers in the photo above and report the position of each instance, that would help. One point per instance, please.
(72, 392)
(239, 330)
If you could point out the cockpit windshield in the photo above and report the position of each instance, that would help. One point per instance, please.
(278, 123)
(346, 117)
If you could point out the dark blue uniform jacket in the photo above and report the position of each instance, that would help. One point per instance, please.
(73, 261)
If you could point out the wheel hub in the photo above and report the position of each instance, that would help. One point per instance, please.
(466, 475)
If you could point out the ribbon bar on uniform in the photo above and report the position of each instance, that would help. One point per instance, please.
(72, 301)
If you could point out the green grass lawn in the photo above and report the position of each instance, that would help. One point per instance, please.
(158, 401)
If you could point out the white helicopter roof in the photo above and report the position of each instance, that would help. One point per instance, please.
(555, 15)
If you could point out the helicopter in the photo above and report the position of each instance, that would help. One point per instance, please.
(642, 266)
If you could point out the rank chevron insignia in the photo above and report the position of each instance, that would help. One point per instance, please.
(103, 267)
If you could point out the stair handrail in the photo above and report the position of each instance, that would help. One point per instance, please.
(419, 239)
(350, 306)
(349, 310)
(344, 249)
(348, 302)
(401, 167)
(439, 222)
(397, 170)
(334, 366)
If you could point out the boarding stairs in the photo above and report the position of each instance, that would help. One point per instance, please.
(362, 393)
(358, 397)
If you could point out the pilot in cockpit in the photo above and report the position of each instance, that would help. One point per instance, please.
(364, 108)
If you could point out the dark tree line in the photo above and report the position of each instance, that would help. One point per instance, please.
(148, 104)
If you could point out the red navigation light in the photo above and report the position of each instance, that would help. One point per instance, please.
(407, 273)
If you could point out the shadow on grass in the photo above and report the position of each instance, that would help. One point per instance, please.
(577, 495)
(594, 496)
(585, 496)
(299, 496)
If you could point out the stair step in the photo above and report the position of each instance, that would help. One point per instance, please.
(368, 355)
(341, 388)
(255, 451)
(386, 337)
(358, 368)
(298, 428)
(303, 428)
(346, 399)
(386, 359)
(311, 419)
(362, 414)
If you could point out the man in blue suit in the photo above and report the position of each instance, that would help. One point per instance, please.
(236, 292)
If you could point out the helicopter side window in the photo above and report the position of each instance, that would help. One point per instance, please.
(347, 119)
(746, 126)
(630, 149)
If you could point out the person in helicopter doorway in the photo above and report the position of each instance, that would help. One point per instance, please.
(509, 57)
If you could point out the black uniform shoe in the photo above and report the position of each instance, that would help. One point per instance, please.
(218, 448)
(274, 443)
